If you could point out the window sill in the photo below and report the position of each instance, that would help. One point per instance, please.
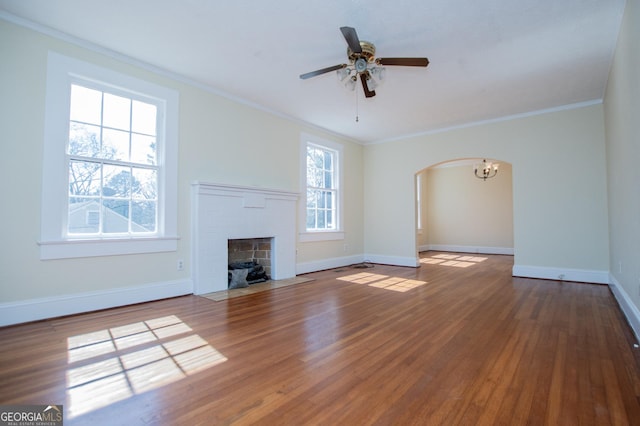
(304, 237)
(66, 249)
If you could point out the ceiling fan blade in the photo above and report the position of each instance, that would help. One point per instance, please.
(367, 93)
(407, 62)
(322, 71)
(352, 39)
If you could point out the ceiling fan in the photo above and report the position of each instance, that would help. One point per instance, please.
(363, 64)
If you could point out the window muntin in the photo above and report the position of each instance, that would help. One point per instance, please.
(112, 162)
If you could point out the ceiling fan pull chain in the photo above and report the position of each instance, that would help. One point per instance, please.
(357, 118)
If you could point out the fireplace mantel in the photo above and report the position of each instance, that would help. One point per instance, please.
(222, 212)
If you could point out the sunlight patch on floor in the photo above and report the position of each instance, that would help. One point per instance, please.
(110, 365)
(455, 260)
(383, 281)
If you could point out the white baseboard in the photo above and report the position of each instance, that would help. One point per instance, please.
(412, 262)
(321, 265)
(561, 274)
(338, 262)
(56, 306)
(626, 304)
(467, 249)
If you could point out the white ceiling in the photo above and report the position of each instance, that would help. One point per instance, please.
(489, 59)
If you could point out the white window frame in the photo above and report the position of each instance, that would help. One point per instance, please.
(305, 235)
(54, 243)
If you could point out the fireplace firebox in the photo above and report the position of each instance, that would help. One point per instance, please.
(252, 254)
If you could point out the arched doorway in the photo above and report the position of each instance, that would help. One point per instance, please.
(458, 212)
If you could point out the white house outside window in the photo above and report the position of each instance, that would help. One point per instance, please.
(110, 163)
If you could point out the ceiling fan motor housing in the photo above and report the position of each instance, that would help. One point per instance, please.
(368, 52)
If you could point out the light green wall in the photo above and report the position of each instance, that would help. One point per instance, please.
(220, 141)
(622, 118)
(559, 185)
(462, 210)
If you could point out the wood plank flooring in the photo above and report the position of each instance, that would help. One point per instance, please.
(457, 341)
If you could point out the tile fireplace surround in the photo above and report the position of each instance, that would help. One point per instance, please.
(228, 212)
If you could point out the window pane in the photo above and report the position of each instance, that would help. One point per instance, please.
(116, 181)
(84, 140)
(328, 180)
(84, 178)
(328, 157)
(116, 216)
(311, 219)
(143, 216)
(322, 200)
(86, 105)
(314, 178)
(143, 149)
(311, 199)
(143, 118)
(321, 219)
(115, 145)
(314, 158)
(330, 224)
(330, 200)
(116, 112)
(84, 215)
(144, 184)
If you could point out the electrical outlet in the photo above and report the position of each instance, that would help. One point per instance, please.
(180, 265)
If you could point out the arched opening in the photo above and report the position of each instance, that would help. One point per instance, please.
(458, 212)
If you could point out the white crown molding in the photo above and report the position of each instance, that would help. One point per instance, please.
(175, 76)
(161, 72)
(491, 121)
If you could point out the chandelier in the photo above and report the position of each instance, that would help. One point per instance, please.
(485, 170)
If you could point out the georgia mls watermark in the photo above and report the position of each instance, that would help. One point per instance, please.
(31, 415)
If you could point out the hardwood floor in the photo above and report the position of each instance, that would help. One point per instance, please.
(456, 341)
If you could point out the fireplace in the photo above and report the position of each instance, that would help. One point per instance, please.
(252, 254)
(228, 212)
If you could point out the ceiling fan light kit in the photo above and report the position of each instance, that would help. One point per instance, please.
(363, 64)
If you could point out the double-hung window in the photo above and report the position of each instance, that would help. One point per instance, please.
(321, 170)
(110, 167)
(322, 189)
(113, 167)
